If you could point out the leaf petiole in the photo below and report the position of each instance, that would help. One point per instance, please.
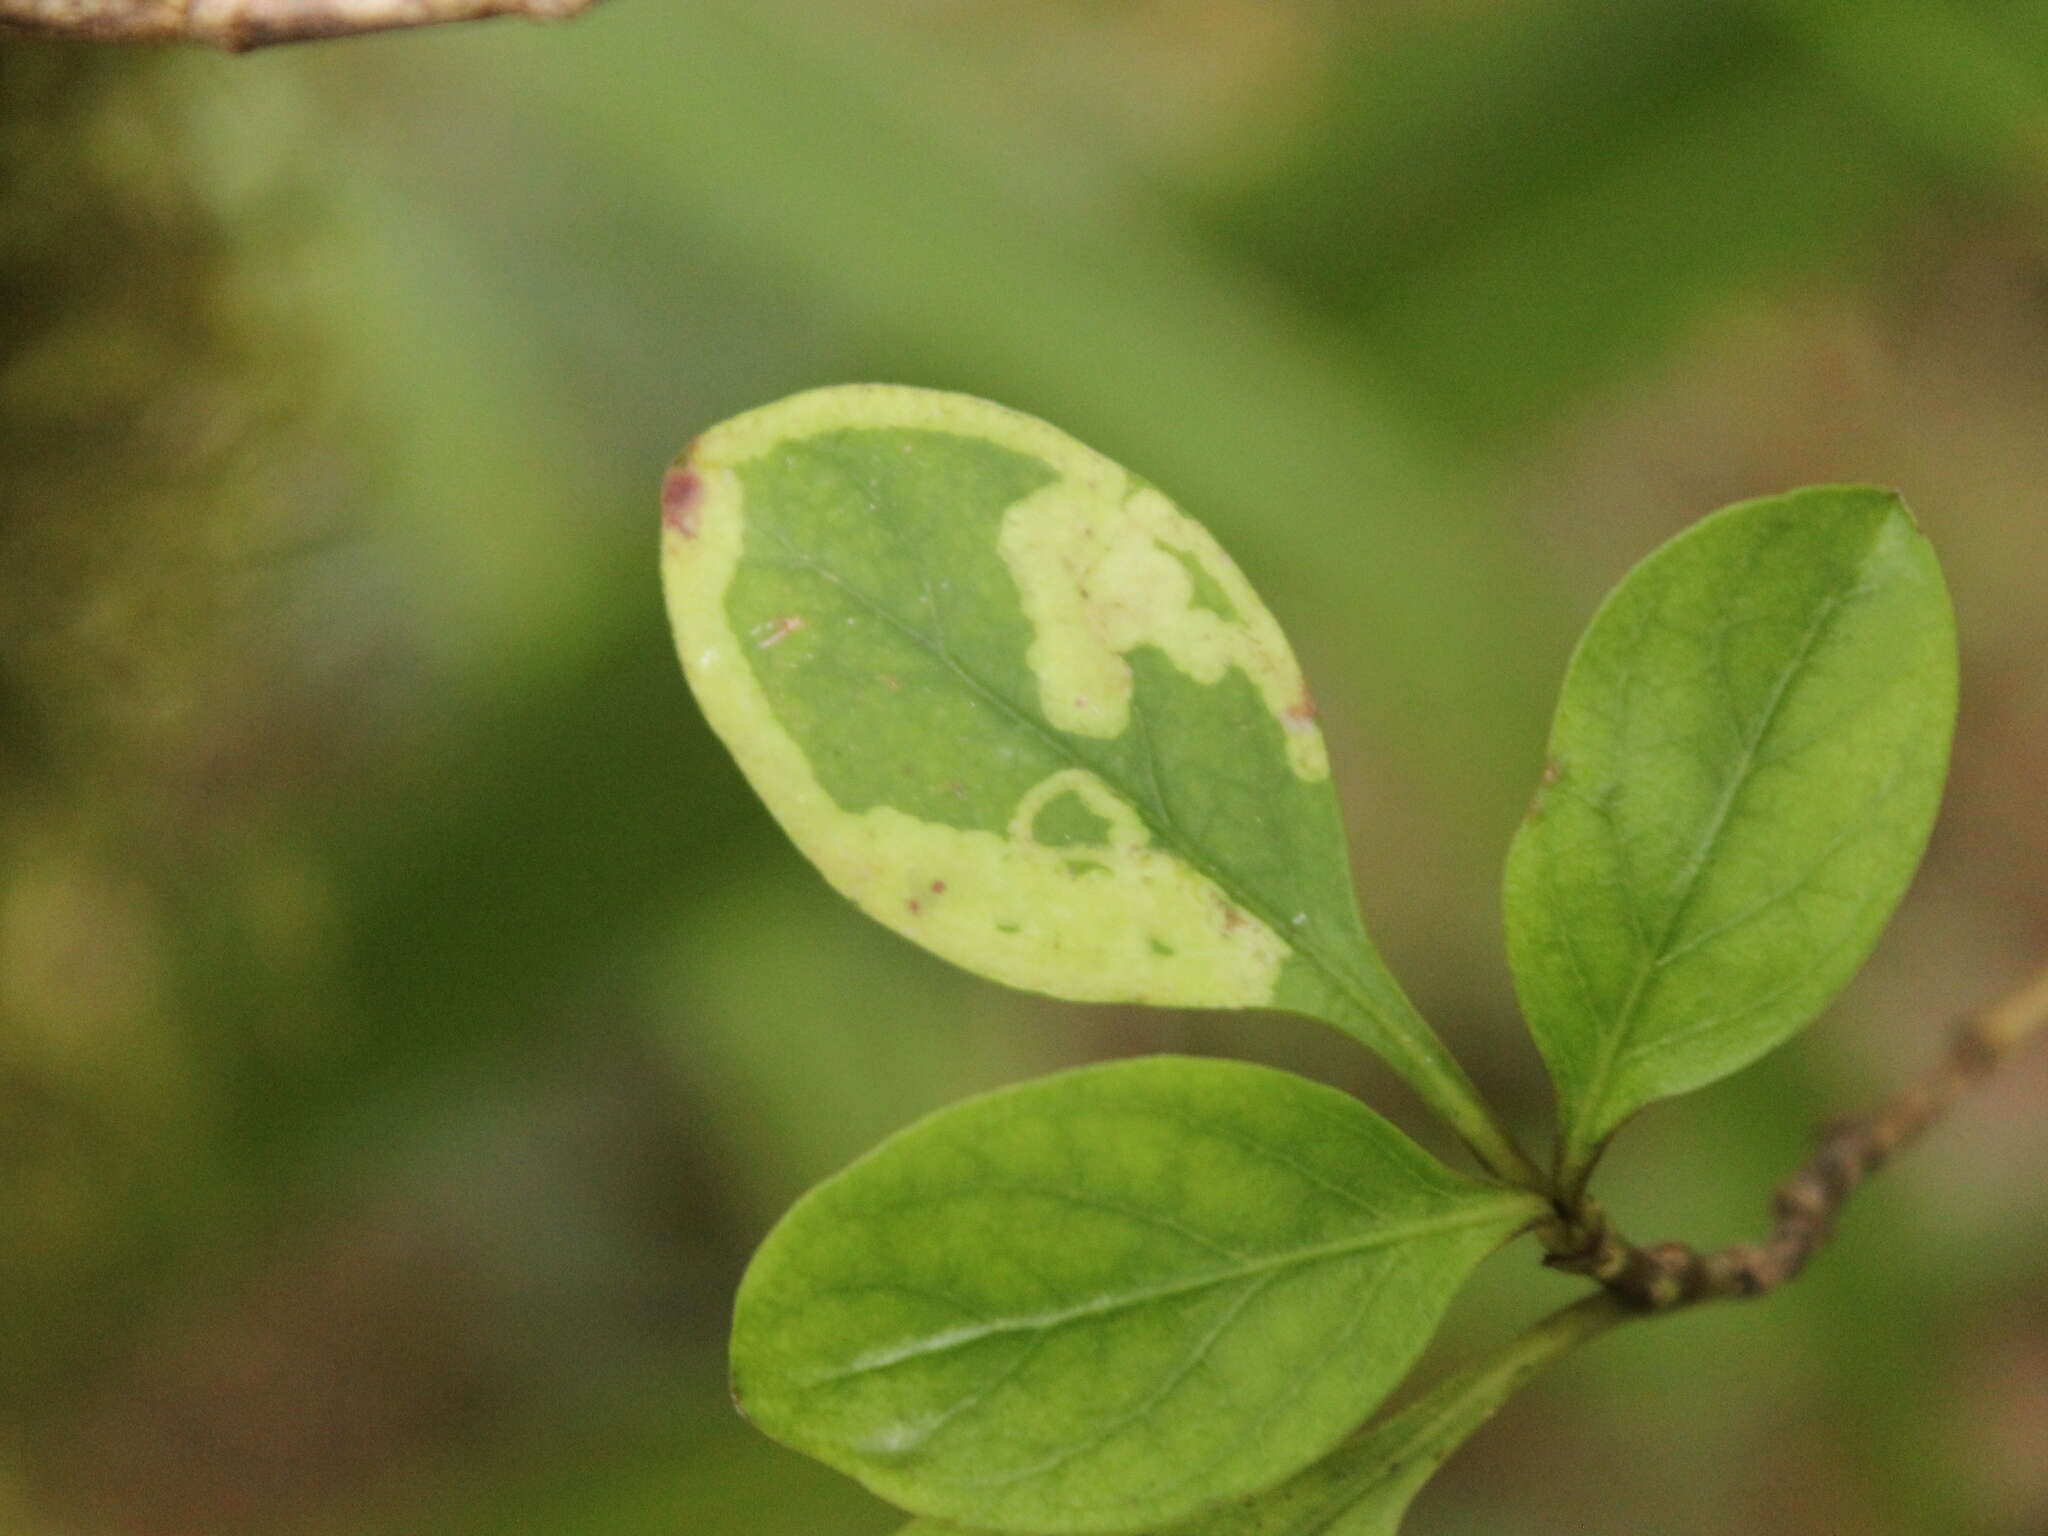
(1383, 1018)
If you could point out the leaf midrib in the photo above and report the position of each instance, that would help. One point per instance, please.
(1168, 834)
(1110, 1304)
(1617, 1040)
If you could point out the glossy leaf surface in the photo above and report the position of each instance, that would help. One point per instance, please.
(1746, 762)
(1022, 710)
(1109, 1299)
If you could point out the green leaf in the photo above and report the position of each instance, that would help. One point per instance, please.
(1365, 1486)
(1022, 710)
(1746, 761)
(1108, 1299)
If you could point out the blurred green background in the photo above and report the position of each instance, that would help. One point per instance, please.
(408, 1023)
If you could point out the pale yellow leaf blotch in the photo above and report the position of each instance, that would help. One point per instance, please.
(1098, 576)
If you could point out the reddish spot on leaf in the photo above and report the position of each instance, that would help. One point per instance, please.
(1302, 710)
(915, 906)
(938, 887)
(681, 491)
(777, 631)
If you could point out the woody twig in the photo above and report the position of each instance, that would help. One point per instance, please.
(1809, 1203)
(239, 25)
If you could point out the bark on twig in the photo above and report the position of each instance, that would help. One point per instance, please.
(1668, 1275)
(237, 25)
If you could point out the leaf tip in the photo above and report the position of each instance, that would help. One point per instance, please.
(1890, 504)
(1884, 505)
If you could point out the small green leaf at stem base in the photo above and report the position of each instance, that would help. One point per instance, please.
(1024, 711)
(1109, 1299)
(1365, 1486)
(1746, 762)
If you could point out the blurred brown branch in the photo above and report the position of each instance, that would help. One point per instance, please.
(1808, 1204)
(237, 25)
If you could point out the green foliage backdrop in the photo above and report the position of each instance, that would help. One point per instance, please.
(409, 1022)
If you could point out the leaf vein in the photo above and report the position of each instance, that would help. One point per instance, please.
(1112, 1303)
(1618, 1042)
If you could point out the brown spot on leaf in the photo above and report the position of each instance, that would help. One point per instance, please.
(682, 489)
(1303, 709)
(775, 631)
(1232, 919)
(938, 887)
(915, 906)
